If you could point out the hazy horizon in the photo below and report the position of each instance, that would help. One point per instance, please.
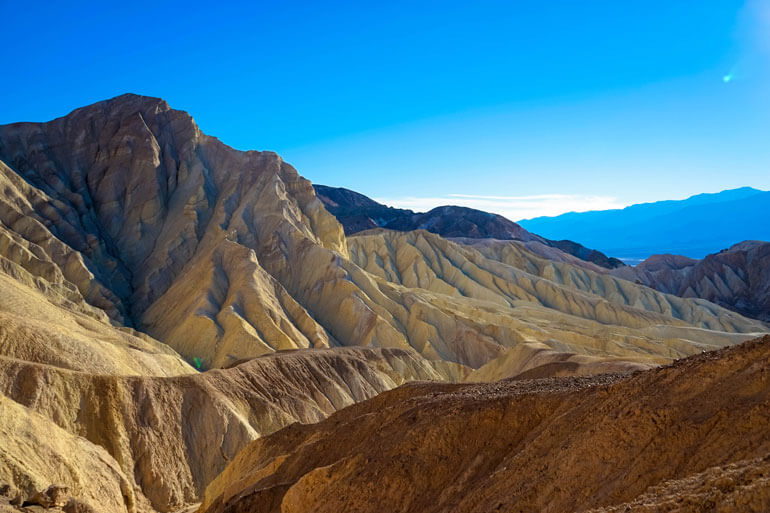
(524, 110)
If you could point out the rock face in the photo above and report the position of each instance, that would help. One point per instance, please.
(162, 440)
(737, 278)
(358, 213)
(35, 453)
(147, 202)
(692, 434)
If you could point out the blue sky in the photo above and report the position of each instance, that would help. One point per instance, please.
(521, 108)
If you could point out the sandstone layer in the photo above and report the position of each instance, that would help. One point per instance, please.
(476, 302)
(692, 435)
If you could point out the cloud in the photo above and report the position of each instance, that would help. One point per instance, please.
(512, 207)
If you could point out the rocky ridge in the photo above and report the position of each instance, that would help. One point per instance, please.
(692, 435)
(358, 213)
(737, 278)
(225, 255)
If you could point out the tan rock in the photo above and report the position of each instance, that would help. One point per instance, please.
(226, 255)
(55, 496)
(34, 452)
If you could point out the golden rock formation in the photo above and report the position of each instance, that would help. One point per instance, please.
(225, 255)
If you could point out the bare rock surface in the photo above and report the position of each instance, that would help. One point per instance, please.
(472, 304)
(692, 436)
(737, 278)
(35, 453)
(136, 251)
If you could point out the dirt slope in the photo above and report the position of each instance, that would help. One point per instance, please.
(554, 445)
(172, 436)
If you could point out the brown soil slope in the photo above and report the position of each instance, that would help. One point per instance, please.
(553, 445)
(171, 436)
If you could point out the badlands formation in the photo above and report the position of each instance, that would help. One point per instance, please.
(737, 278)
(688, 437)
(166, 300)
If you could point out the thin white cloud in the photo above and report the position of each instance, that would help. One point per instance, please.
(512, 207)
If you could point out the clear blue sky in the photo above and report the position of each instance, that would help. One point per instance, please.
(517, 107)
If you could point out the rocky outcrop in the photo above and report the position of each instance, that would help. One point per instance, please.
(35, 453)
(164, 439)
(693, 434)
(146, 201)
(737, 278)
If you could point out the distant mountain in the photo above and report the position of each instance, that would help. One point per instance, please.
(737, 278)
(357, 213)
(694, 227)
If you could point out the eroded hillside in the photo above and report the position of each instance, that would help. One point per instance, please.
(692, 437)
(225, 255)
(136, 251)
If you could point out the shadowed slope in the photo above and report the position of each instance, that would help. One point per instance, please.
(561, 444)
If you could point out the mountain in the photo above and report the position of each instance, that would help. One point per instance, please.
(167, 299)
(125, 212)
(688, 437)
(737, 278)
(694, 227)
(357, 213)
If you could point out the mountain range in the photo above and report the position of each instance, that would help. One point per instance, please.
(168, 300)
(358, 213)
(694, 227)
(735, 278)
